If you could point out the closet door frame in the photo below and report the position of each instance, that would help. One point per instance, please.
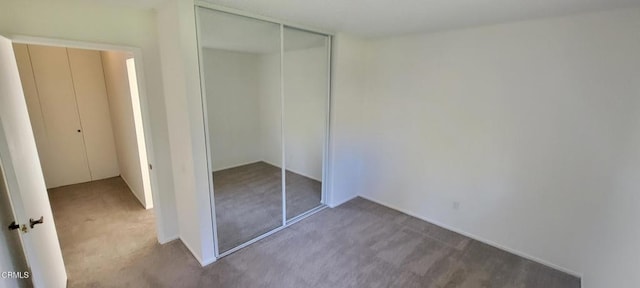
(326, 145)
(163, 236)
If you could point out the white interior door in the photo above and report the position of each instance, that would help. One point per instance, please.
(60, 114)
(24, 178)
(11, 254)
(93, 107)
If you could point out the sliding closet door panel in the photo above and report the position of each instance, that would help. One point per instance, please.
(240, 60)
(57, 100)
(33, 106)
(306, 71)
(91, 94)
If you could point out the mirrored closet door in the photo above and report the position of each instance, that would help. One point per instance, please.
(266, 101)
(305, 89)
(240, 60)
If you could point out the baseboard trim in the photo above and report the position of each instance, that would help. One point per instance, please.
(166, 240)
(202, 262)
(208, 261)
(480, 239)
(144, 205)
(236, 165)
(334, 205)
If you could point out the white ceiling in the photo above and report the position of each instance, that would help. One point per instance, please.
(379, 18)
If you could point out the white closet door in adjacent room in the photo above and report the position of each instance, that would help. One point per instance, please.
(93, 105)
(33, 105)
(57, 100)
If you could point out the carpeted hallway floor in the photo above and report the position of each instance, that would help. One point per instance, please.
(108, 240)
(101, 226)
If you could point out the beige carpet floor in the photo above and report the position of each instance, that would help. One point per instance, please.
(101, 227)
(108, 240)
(248, 201)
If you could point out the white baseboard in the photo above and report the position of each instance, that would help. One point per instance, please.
(203, 262)
(135, 194)
(208, 261)
(270, 163)
(480, 239)
(236, 165)
(336, 204)
(165, 240)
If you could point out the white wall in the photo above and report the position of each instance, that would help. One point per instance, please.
(244, 108)
(305, 86)
(270, 109)
(181, 82)
(124, 122)
(232, 87)
(346, 139)
(94, 22)
(305, 106)
(532, 127)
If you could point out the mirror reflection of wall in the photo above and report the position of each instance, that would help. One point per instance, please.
(306, 71)
(261, 106)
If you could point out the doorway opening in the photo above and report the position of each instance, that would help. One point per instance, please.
(86, 115)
